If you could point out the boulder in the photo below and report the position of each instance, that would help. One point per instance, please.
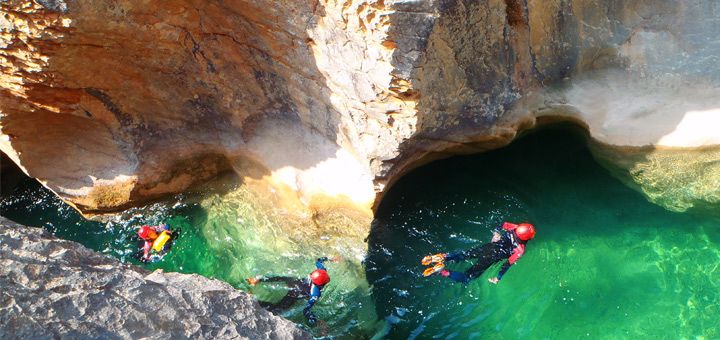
(53, 288)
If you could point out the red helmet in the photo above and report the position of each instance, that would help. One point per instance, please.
(525, 231)
(144, 232)
(319, 277)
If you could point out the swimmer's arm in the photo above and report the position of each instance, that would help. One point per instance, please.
(319, 263)
(311, 302)
(516, 254)
(503, 270)
(146, 250)
(310, 316)
(315, 293)
(505, 267)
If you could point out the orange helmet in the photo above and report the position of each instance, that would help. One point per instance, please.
(525, 231)
(319, 277)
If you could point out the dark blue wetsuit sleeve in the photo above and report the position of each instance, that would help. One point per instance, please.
(455, 256)
(315, 293)
(319, 263)
(503, 269)
(458, 277)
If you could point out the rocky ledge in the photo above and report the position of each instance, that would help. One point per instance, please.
(53, 288)
(324, 105)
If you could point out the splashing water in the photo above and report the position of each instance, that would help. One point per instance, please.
(605, 263)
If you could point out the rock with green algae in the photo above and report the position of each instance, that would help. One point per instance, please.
(676, 179)
(53, 288)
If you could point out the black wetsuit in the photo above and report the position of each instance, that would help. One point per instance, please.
(297, 289)
(487, 255)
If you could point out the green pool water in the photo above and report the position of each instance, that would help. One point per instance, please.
(606, 263)
(222, 236)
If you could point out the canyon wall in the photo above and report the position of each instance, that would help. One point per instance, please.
(323, 104)
(59, 289)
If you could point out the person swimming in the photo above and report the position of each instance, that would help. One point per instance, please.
(510, 246)
(310, 288)
(157, 241)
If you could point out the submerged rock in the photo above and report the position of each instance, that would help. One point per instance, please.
(54, 288)
(678, 180)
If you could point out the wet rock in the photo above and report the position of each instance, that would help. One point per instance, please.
(678, 180)
(54, 288)
(334, 101)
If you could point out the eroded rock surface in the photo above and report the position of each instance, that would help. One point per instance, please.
(54, 288)
(110, 103)
(679, 180)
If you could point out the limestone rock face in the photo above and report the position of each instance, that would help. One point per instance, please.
(110, 103)
(53, 288)
(679, 180)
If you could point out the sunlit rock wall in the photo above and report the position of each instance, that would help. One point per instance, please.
(110, 103)
(635, 73)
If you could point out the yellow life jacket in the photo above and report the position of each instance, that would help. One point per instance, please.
(160, 241)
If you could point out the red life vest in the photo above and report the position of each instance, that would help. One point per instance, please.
(519, 249)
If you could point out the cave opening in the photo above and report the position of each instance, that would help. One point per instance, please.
(604, 261)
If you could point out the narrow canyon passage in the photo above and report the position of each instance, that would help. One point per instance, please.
(224, 235)
(605, 260)
(273, 133)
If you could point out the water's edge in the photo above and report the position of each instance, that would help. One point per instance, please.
(53, 287)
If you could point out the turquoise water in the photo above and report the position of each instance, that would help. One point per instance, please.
(33, 205)
(222, 236)
(606, 263)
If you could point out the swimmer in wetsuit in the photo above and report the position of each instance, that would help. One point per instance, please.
(310, 288)
(509, 246)
(157, 241)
